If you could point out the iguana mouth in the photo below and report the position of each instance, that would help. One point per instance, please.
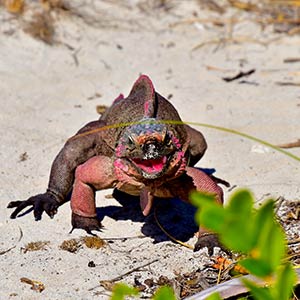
(151, 166)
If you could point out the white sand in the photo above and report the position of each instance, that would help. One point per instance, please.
(45, 98)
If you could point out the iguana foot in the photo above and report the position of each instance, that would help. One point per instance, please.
(40, 203)
(86, 223)
(210, 241)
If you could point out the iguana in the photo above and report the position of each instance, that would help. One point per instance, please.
(132, 148)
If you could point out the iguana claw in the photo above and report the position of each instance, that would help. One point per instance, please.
(86, 223)
(40, 203)
(210, 241)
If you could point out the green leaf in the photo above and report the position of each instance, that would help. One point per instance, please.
(274, 247)
(286, 279)
(212, 218)
(120, 290)
(270, 237)
(256, 267)
(255, 233)
(209, 214)
(164, 293)
(241, 202)
(262, 214)
(214, 296)
(198, 199)
(258, 293)
(238, 227)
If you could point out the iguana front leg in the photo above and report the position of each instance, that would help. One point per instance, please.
(76, 151)
(95, 174)
(195, 179)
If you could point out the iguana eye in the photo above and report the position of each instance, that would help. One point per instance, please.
(167, 140)
(131, 144)
(130, 141)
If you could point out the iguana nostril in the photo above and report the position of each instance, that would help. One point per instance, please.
(150, 147)
(151, 150)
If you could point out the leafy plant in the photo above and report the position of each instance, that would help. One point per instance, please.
(121, 290)
(255, 234)
(165, 292)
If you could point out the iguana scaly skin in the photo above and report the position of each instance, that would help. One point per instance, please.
(148, 158)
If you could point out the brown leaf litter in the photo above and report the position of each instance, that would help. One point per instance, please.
(35, 285)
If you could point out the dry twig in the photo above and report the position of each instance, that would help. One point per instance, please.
(239, 75)
(235, 40)
(108, 284)
(292, 60)
(9, 249)
(35, 285)
(287, 83)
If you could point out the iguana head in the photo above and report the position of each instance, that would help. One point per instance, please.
(149, 149)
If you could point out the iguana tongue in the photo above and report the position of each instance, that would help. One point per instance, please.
(146, 201)
(151, 165)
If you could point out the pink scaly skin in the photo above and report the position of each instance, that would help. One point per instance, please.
(90, 177)
(148, 158)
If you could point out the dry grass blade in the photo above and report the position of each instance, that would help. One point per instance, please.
(285, 2)
(108, 284)
(287, 83)
(290, 145)
(232, 40)
(9, 249)
(214, 21)
(294, 241)
(214, 68)
(169, 235)
(290, 60)
(247, 6)
(282, 15)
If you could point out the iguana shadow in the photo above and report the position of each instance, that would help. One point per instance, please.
(175, 216)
